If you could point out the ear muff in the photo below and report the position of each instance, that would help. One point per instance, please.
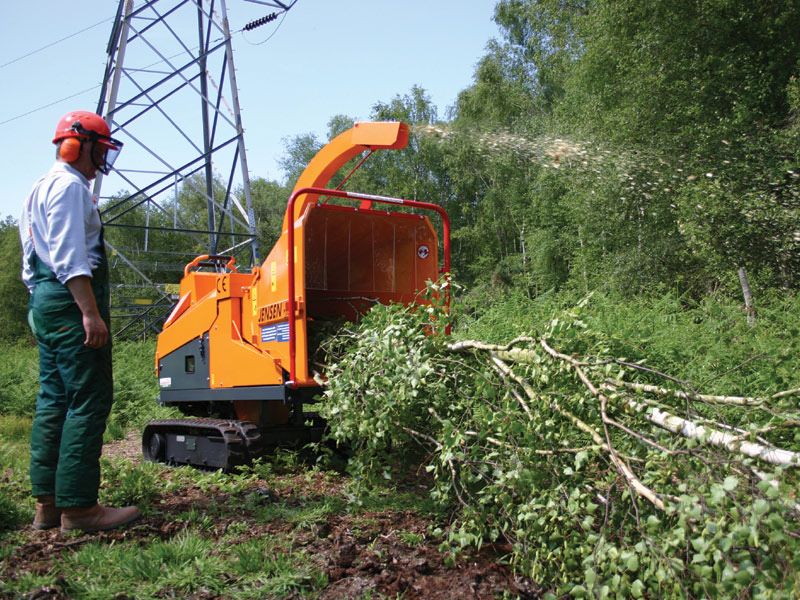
(70, 149)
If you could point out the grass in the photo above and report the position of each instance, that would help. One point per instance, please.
(16, 505)
(189, 563)
(706, 342)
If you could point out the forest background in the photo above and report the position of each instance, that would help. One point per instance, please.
(644, 154)
(627, 147)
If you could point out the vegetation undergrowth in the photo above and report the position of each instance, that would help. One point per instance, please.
(135, 393)
(560, 443)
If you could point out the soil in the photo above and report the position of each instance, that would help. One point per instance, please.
(362, 553)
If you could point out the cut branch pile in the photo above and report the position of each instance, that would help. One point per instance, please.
(598, 471)
(637, 398)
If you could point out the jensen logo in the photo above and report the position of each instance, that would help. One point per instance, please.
(273, 312)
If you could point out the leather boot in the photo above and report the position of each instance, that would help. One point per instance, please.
(97, 518)
(47, 515)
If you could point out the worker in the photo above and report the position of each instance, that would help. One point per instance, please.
(65, 269)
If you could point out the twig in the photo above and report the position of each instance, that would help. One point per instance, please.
(423, 436)
(639, 367)
(794, 392)
(501, 444)
(503, 369)
(641, 437)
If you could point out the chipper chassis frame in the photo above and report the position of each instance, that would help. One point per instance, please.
(235, 351)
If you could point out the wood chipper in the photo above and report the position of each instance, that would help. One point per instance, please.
(235, 351)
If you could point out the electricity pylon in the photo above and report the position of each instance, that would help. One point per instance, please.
(170, 93)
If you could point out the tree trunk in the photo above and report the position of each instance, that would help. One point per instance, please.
(748, 297)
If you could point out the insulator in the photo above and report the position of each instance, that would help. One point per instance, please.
(259, 22)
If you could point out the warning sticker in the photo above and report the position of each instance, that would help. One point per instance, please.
(278, 332)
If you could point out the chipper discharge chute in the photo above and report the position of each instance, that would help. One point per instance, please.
(235, 351)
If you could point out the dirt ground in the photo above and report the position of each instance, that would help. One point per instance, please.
(361, 554)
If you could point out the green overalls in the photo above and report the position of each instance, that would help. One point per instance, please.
(75, 390)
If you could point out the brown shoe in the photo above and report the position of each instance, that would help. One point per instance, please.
(47, 515)
(97, 518)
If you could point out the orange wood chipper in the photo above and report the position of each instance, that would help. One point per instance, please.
(235, 352)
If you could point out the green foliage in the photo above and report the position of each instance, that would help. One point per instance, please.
(125, 483)
(546, 486)
(269, 204)
(13, 295)
(19, 379)
(10, 514)
(368, 404)
(135, 389)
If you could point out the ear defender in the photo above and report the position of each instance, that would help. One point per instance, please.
(70, 149)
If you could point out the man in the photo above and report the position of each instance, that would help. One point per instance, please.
(64, 267)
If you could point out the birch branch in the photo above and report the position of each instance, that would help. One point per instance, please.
(662, 391)
(734, 443)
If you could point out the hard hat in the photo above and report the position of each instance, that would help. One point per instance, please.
(86, 125)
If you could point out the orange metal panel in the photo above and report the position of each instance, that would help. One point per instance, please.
(232, 362)
(347, 145)
(192, 324)
(384, 255)
(391, 135)
(270, 288)
(359, 256)
(361, 245)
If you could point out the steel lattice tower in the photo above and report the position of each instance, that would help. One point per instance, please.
(169, 92)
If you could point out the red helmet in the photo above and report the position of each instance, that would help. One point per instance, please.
(86, 125)
(82, 123)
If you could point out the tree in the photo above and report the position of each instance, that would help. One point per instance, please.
(13, 295)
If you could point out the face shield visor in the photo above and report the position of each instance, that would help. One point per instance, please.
(105, 151)
(111, 148)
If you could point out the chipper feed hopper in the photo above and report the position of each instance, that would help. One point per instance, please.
(235, 352)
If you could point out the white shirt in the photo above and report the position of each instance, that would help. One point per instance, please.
(61, 223)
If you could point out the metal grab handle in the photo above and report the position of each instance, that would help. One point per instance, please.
(213, 259)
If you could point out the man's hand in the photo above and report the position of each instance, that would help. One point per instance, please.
(96, 331)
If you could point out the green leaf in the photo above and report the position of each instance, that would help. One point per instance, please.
(730, 483)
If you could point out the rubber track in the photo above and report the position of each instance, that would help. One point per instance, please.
(242, 438)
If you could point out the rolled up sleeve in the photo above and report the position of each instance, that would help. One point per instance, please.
(66, 232)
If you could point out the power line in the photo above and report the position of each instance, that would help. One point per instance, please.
(54, 102)
(51, 44)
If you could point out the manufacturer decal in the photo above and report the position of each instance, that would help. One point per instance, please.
(423, 252)
(273, 312)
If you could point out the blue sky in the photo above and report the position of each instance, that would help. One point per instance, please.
(328, 57)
